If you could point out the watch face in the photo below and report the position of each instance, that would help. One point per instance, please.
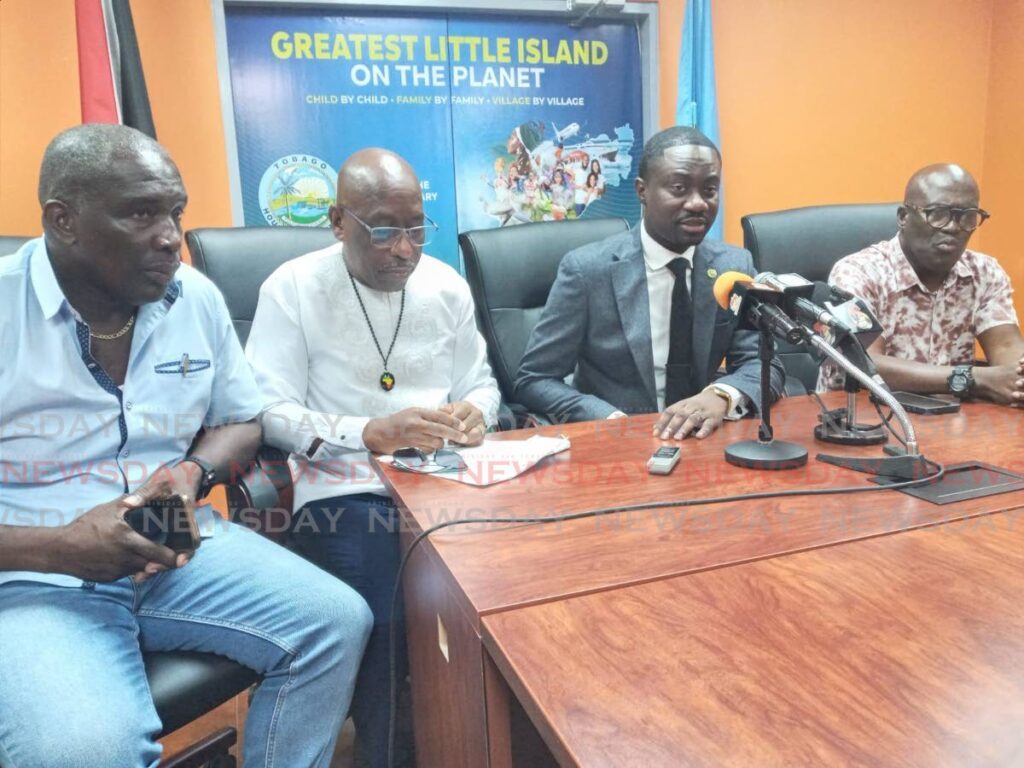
(958, 382)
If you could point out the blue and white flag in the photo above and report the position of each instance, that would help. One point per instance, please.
(697, 104)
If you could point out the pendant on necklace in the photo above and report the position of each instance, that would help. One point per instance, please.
(387, 381)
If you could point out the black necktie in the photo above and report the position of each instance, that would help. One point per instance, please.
(679, 366)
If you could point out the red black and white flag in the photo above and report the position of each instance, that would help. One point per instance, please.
(109, 68)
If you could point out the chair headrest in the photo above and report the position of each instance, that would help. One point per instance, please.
(516, 266)
(810, 240)
(239, 259)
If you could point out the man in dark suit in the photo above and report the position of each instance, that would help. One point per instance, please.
(633, 316)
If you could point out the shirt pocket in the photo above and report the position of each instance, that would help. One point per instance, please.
(176, 389)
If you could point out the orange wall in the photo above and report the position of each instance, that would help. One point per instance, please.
(1004, 129)
(39, 96)
(180, 62)
(835, 102)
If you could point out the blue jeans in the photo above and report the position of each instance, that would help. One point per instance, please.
(356, 539)
(73, 690)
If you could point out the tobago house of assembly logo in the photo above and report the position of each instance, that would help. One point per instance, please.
(297, 191)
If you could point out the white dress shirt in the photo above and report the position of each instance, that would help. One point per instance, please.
(660, 282)
(319, 370)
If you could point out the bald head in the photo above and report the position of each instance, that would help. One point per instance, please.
(378, 191)
(370, 173)
(934, 183)
(86, 158)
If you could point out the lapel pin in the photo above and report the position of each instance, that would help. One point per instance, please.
(712, 273)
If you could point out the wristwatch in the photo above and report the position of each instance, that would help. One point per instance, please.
(208, 479)
(961, 381)
(722, 393)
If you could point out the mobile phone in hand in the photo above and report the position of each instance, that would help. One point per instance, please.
(169, 521)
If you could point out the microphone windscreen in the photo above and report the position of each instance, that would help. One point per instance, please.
(822, 293)
(724, 285)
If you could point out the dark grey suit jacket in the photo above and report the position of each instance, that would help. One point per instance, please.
(596, 324)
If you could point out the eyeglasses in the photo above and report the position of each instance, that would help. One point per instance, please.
(389, 237)
(415, 460)
(939, 216)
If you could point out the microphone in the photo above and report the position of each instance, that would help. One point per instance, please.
(849, 325)
(755, 304)
(855, 329)
(802, 308)
(842, 316)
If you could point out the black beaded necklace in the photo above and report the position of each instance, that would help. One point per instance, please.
(387, 378)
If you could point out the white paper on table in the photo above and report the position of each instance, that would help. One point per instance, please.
(495, 461)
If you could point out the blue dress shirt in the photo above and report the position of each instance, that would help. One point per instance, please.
(71, 439)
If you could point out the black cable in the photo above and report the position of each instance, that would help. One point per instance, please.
(940, 471)
(887, 421)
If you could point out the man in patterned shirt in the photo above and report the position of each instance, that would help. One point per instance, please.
(934, 298)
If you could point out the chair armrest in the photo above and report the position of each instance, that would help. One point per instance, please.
(794, 387)
(262, 498)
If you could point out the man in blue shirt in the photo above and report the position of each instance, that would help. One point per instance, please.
(122, 382)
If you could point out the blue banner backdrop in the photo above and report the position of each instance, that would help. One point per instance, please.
(505, 121)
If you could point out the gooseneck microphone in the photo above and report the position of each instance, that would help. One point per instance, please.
(845, 321)
(764, 306)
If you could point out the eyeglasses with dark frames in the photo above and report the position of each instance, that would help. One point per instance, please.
(939, 216)
(389, 237)
(443, 459)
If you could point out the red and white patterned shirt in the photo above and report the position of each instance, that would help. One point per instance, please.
(935, 327)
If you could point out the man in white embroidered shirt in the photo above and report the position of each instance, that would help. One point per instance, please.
(368, 345)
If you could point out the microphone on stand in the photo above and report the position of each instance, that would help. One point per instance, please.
(855, 329)
(804, 309)
(759, 303)
(843, 316)
(844, 320)
(757, 307)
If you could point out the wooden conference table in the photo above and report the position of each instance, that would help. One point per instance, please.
(870, 628)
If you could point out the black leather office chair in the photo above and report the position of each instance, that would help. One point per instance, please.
(809, 241)
(510, 272)
(186, 685)
(239, 259)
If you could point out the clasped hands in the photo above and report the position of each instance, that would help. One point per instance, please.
(1002, 384)
(460, 423)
